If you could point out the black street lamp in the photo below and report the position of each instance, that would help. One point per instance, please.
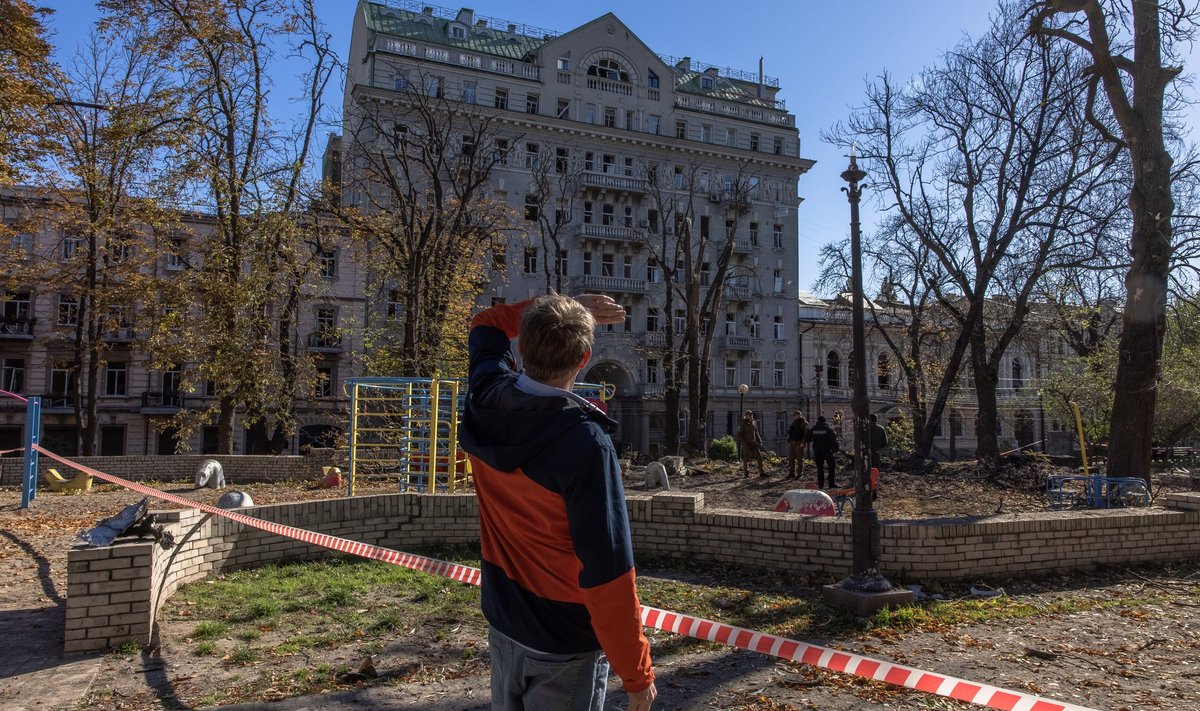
(866, 589)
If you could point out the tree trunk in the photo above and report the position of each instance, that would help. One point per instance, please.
(986, 447)
(225, 425)
(1144, 324)
(917, 403)
(671, 428)
(90, 423)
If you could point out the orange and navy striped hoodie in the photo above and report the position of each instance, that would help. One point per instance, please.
(558, 573)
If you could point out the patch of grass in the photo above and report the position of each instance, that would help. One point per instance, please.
(130, 648)
(210, 629)
(205, 649)
(249, 634)
(388, 621)
(261, 608)
(244, 655)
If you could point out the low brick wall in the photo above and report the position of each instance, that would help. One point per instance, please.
(238, 468)
(114, 593)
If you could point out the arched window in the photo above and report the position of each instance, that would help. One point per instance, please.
(1018, 379)
(883, 371)
(833, 369)
(609, 69)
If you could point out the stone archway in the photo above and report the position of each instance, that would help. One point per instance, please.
(626, 405)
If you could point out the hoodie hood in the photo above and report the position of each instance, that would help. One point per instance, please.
(507, 427)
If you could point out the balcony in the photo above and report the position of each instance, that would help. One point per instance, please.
(160, 403)
(737, 343)
(608, 181)
(737, 293)
(763, 110)
(614, 87)
(742, 246)
(324, 342)
(591, 282)
(456, 56)
(654, 339)
(58, 403)
(120, 335)
(616, 233)
(17, 329)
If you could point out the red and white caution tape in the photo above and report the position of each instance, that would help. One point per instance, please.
(695, 627)
(461, 573)
(850, 663)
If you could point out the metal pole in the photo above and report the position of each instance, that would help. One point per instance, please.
(865, 521)
(33, 435)
(352, 440)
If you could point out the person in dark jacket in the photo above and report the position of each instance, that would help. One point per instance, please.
(824, 445)
(559, 585)
(877, 439)
(797, 442)
(750, 444)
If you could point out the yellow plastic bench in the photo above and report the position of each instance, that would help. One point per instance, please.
(82, 482)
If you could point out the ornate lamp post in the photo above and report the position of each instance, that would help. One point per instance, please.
(866, 589)
(742, 390)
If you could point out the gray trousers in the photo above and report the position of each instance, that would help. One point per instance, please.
(525, 679)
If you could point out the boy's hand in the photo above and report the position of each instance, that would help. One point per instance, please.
(644, 699)
(604, 310)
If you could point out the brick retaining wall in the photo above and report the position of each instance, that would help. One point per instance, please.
(114, 593)
(238, 468)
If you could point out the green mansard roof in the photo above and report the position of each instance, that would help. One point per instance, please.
(433, 29)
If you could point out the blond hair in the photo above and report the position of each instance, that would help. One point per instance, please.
(556, 332)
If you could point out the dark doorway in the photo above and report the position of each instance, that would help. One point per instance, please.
(208, 439)
(10, 438)
(112, 441)
(168, 441)
(61, 440)
(1023, 428)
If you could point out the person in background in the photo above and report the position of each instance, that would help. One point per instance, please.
(559, 585)
(825, 446)
(750, 444)
(797, 442)
(877, 439)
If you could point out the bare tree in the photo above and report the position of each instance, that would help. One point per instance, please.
(696, 257)
(914, 329)
(422, 211)
(1133, 49)
(556, 179)
(990, 163)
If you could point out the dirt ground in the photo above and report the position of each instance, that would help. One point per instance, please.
(1144, 656)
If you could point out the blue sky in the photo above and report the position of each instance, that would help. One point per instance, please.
(822, 51)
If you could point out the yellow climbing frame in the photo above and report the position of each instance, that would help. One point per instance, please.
(407, 429)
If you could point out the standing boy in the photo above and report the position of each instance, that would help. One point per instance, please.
(559, 586)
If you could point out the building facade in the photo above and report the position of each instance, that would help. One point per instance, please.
(136, 403)
(826, 342)
(637, 130)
